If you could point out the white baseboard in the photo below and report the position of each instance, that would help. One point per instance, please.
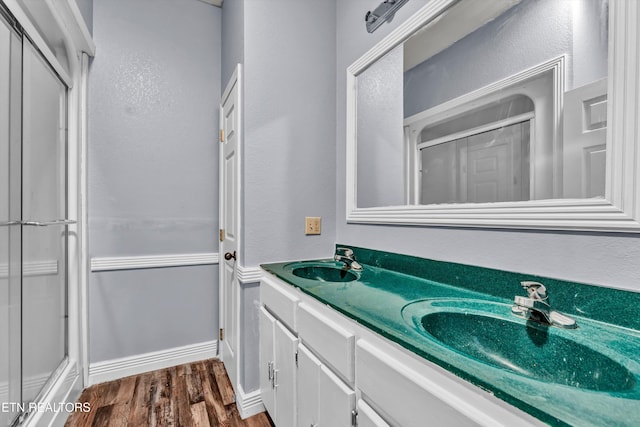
(110, 370)
(249, 404)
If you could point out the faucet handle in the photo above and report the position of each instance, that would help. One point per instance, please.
(534, 289)
(348, 252)
(523, 302)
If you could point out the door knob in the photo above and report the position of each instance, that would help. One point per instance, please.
(228, 255)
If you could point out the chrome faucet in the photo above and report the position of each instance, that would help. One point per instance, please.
(346, 255)
(535, 307)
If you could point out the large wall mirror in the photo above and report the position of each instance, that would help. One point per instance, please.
(499, 113)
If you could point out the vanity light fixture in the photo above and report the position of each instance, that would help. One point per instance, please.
(384, 12)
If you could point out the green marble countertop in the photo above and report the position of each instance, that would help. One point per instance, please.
(377, 297)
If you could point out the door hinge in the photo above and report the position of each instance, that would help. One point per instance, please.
(354, 418)
(221, 335)
(221, 135)
(296, 359)
(221, 235)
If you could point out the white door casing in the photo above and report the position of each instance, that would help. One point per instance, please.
(230, 143)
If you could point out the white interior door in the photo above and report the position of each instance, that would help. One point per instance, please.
(493, 165)
(585, 135)
(229, 226)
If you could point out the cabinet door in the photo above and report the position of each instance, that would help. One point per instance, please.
(336, 400)
(367, 417)
(308, 385)
(286, 345)
(267, 327)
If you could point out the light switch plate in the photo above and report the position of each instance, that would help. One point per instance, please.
(312, 225)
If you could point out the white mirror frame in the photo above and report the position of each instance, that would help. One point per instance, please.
(619, 211)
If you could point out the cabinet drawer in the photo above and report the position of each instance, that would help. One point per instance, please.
(329, 340)
(280, 301)
(367, 417)
(408, 397)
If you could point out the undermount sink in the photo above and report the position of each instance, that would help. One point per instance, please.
(323, 272)
(486, 332)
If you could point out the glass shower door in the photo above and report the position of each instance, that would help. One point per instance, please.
(44, 230)
(33, 225)
(10, 221)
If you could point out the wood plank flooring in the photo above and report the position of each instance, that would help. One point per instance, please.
(197, 394)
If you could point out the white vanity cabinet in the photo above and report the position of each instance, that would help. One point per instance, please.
(300, 385)
(278, 347)
(335, 368)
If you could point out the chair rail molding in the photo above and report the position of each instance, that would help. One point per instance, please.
(249, 274)
(153, 261)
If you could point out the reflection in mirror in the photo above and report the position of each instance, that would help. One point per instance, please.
(503, 104)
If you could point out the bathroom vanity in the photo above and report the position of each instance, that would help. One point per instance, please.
(407, 341)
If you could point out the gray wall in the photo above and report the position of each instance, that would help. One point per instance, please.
(154, 88)
(250, 326)
(232, 38)
(287, 48)
(380, 153)
(289, 152)
(604, 259)
(138, 311)
(86, 9)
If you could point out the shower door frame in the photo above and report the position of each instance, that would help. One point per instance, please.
(10, 226)
(62, 20)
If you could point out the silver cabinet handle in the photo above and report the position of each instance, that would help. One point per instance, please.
(46, 223)
(8, 223)
(269, 370)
